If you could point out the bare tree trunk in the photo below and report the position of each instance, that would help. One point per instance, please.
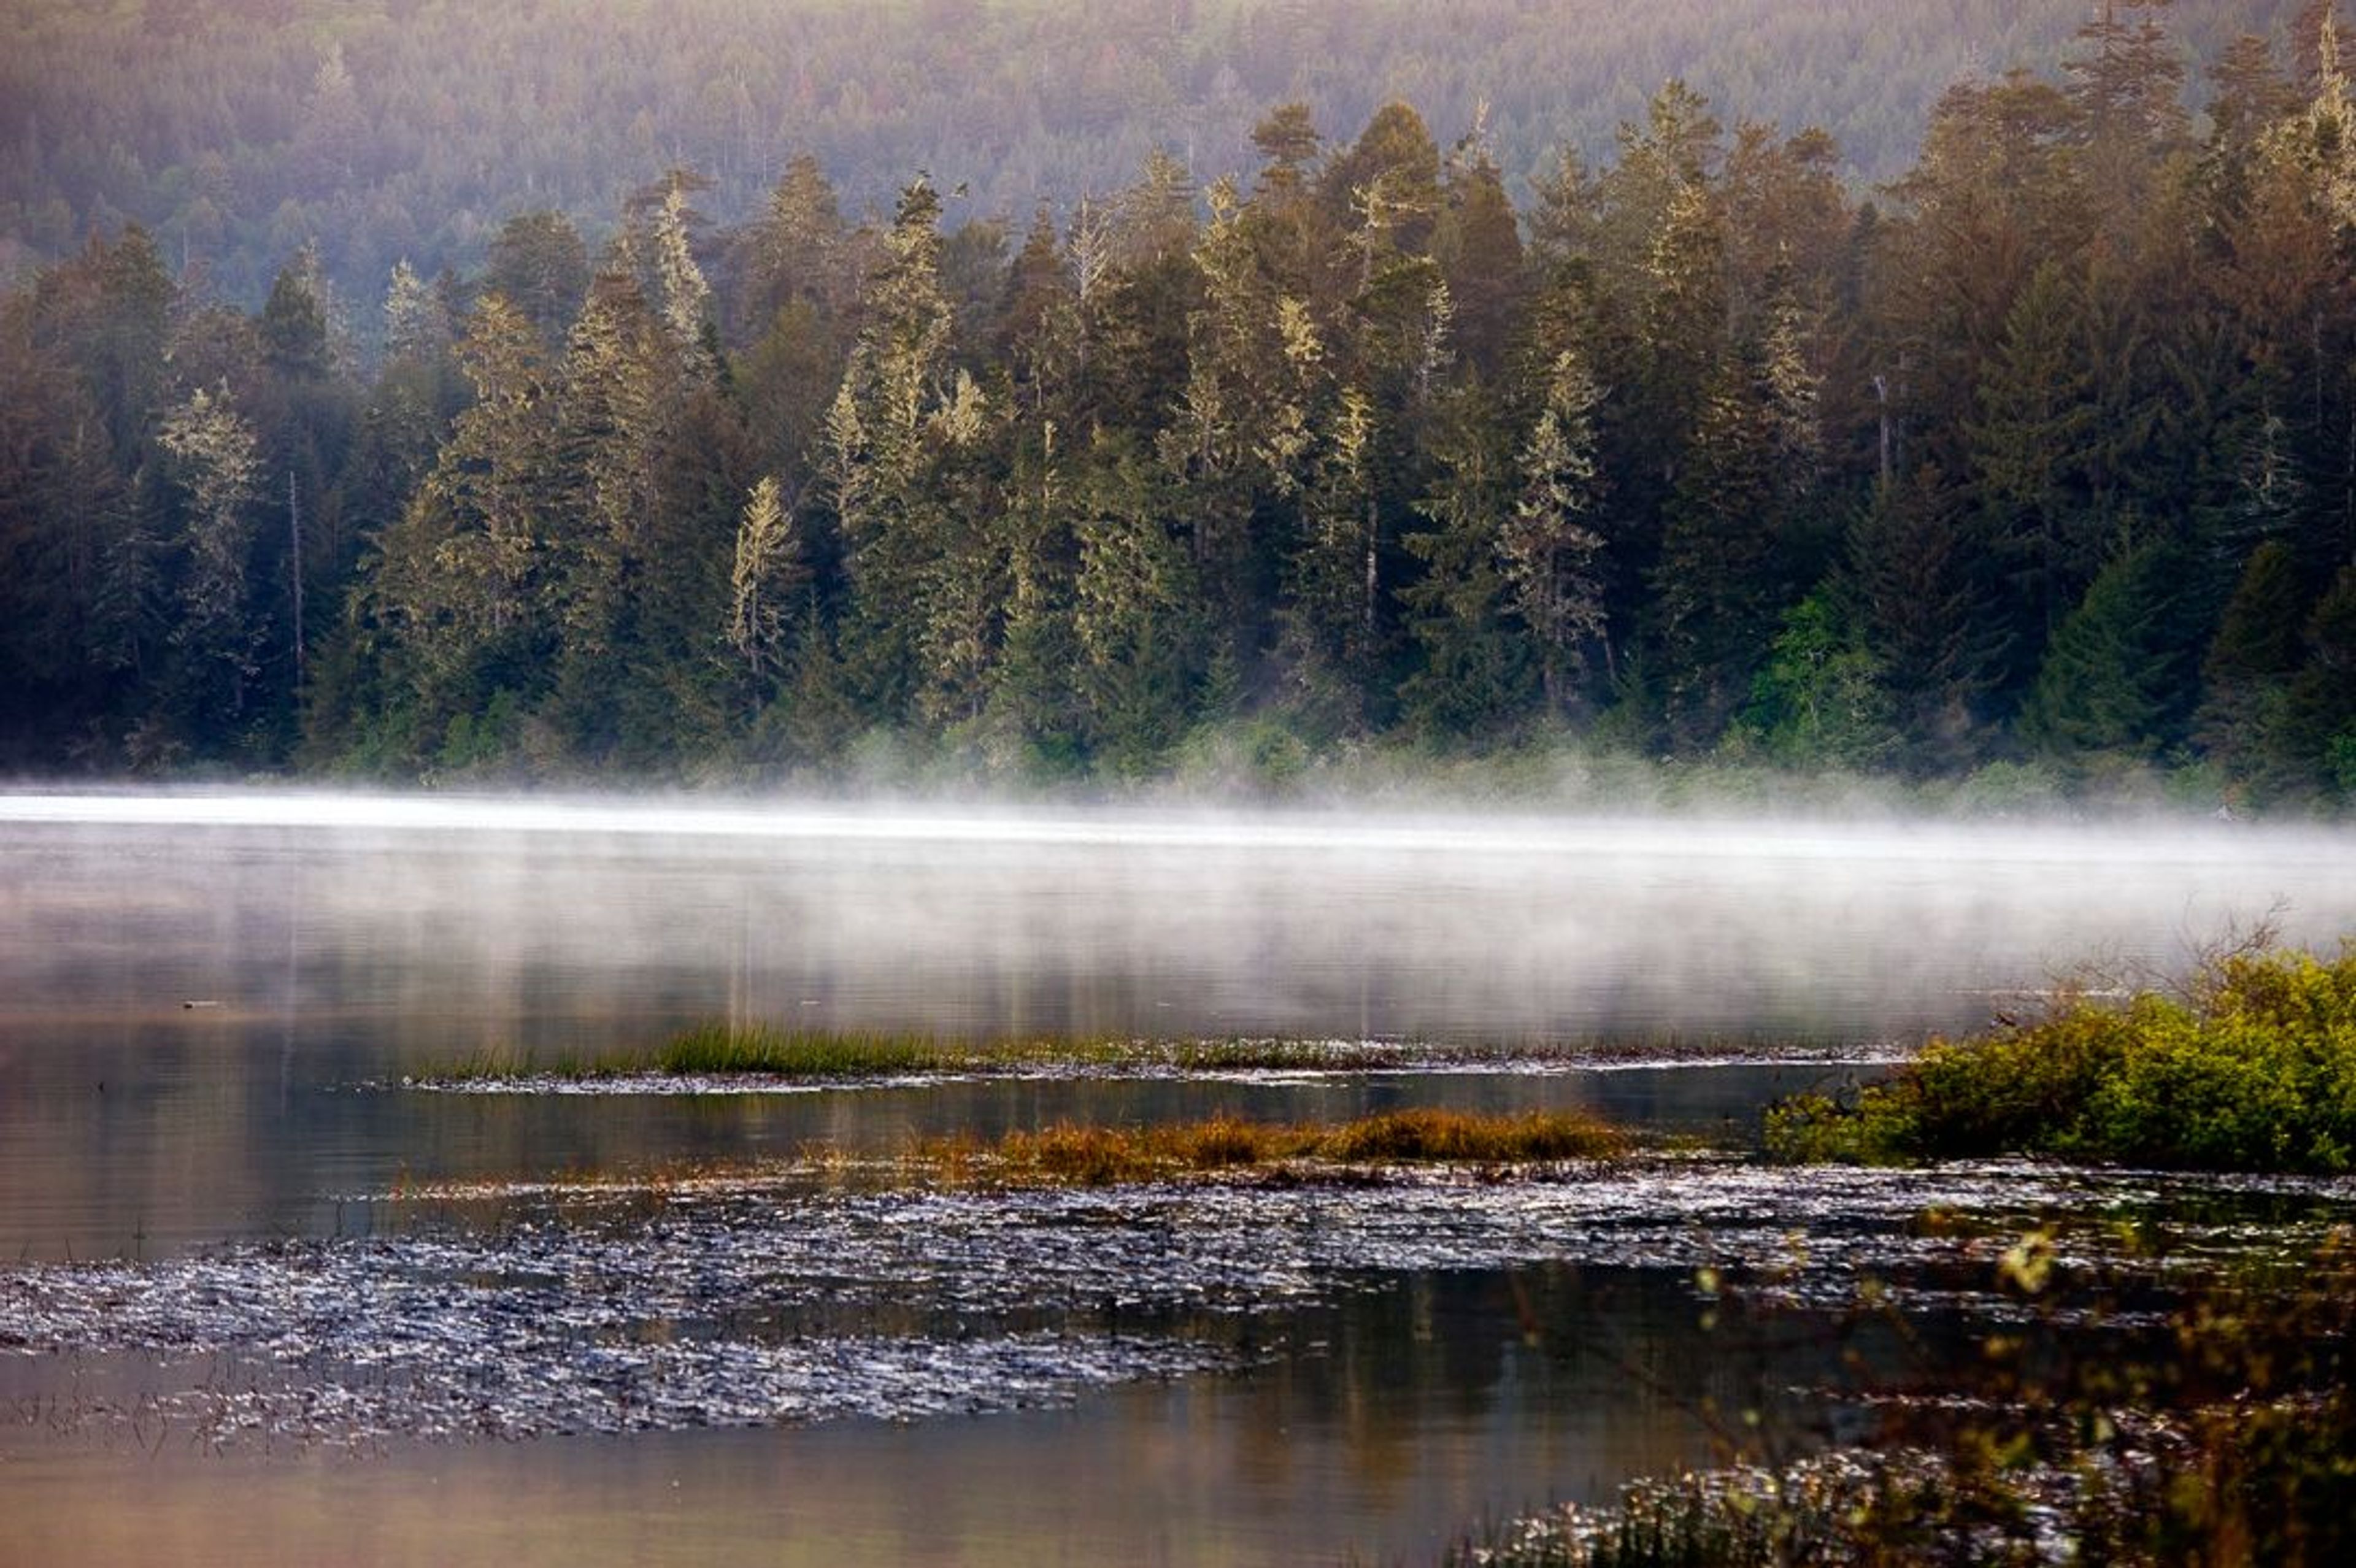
(294, 566)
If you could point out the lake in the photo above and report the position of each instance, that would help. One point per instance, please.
(265, 1302)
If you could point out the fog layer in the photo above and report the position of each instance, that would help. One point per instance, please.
(1448, 926)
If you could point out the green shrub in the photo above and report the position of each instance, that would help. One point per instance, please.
(2252, 1067)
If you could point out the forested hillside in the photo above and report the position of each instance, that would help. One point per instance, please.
(235, 131)
(2046, 453)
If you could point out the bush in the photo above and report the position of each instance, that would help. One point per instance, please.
(2252, 1067)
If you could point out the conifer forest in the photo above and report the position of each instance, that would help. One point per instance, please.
(742, 389)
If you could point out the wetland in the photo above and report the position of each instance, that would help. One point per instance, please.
(311, 1251)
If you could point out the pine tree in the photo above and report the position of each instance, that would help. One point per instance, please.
(416, 321)
(1550, 544)
(2030, 447)
(610, 409)
(539, 264)
(1718, 583)
(684, 299)
(897, 440)
(2125, 80)
(2315, 738)
(1916, 570)
(1137, 620)
(1386, 184)
(1032, 724)
(216, 463)
(455, 603)
(294, 321)
(2247, 673)
(962, 587)
(798, 252)
(1472, 677)
(1037, 335)
(1333, 580)
(2109, 678)
(1479, 247)
(1239, 432)
(768, 572)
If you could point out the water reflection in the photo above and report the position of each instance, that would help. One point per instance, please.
(1406, 1414)
(202, 1001)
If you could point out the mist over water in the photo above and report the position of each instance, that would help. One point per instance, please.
(532, 915)
(205, 997)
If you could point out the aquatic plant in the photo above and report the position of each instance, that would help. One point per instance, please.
(1065, 1153)
(716, 1051)
(2251, 1065)
(2226, 1436)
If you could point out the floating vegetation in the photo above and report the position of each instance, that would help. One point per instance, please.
(675, 1305)
(2249, 1066)
(758, 1059)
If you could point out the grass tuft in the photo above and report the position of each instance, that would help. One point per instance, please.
(715, 1049)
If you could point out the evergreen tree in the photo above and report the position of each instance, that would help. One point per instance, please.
(1551, 542)
(1916, 570)
(540, 265)
(2030, 447)
(1478, 245)
(767, 570)
(878, 451)
(294, 321)
(684, 299)
(2317, 732)
(2246, 672)
(453, 606)
(1718, 583)
(1137, 621)
(2108, 680)
(1330, 609)
(1472, 674)
(1033, 724)
(214, 636)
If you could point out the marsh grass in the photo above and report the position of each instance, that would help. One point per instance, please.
(718, 1050)
(758, 1050)
(715, 1051)
(1066, 1154)
(1070, 1155)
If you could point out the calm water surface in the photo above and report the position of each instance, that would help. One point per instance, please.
(207, 1004)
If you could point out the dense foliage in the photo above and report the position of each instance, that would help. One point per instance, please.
(2255, 1069)
(234, 130)
(2046, 457)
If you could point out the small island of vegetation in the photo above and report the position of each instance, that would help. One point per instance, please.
(2250, 1066)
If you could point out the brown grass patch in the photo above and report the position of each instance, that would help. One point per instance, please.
(1069, 1154)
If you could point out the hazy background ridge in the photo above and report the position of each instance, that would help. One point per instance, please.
(384, 129)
